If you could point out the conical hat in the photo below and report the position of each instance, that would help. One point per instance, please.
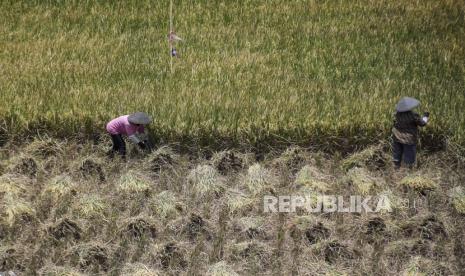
(139, 118)
(407, 104)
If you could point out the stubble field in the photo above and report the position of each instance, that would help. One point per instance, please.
(68, 210)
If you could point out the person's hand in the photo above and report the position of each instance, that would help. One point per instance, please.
(426, 114)
(142, 145)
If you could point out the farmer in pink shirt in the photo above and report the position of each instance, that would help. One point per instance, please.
(129, 125)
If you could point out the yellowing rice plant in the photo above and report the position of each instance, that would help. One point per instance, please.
(254, 71)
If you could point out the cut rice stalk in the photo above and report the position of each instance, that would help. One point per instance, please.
(139, 269)
(257, 178)
(221, 269)
(14, 209)
(457, 196)
(362, 180)
(419, 182)
(59, 187)
(205, 180)
(164, 204)
(90, 206)
(132, 182)
(310, 177)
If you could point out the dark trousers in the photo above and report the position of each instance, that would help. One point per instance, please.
(404, 152)
(119, 145)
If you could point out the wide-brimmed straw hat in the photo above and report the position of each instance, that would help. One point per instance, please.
(139, 118)
(407, 104)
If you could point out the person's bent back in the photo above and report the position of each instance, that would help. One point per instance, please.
(130, 126)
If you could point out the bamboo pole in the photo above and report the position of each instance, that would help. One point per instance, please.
(170, 42)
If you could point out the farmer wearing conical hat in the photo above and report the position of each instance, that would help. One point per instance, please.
(405, 131)
(130, 126)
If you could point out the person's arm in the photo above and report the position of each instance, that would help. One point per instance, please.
(133, 138)
(143, 135)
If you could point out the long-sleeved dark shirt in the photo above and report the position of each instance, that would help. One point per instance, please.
(406, 125)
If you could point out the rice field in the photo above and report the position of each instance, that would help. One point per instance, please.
(277, 74)
(67, 210)
(247, 70)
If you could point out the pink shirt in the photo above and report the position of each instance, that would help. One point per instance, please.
(121, 125)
